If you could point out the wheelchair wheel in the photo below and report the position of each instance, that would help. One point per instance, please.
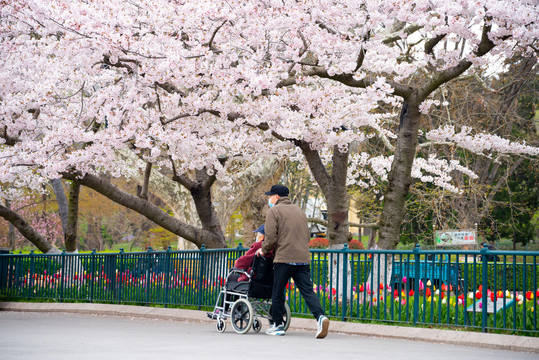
(257, 325)
(221, 325)
(286, 316)
(241, 316)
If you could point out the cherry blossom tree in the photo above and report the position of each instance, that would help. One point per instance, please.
(195, 88)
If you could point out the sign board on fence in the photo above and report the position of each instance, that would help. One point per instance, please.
(454, 237)
(490, 305)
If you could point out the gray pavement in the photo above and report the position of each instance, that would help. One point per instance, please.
(98, 331)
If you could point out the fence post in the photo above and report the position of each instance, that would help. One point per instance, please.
(417, 251)
(200, 276)
(344, 309)
(121, 275)
(62, 272)
(147, 267)
(31, 274)
(484, 290)
(92, 274)
(167, 276)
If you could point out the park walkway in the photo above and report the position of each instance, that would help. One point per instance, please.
(67, 331)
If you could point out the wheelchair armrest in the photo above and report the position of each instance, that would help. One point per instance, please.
(235, 270)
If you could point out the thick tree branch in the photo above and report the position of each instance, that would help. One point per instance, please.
(484, 47)
(346, 79)
(181, 179)
(11, 141)
(350, 224)
(408, 31)
(145, 184)
(149, 210)
(28, 231)
(316, 165)
(431, 43)
(210, 43)
(168, 87)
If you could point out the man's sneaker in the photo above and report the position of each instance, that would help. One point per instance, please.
(276, 330)
(323, 326)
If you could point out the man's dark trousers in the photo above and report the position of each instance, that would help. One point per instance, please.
(302, 279)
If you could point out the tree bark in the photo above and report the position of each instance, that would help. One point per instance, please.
(28, 231)
(399, 178)
(11, 230)
(61, 199)
(334, 189)
(338, 201)
(72, 219)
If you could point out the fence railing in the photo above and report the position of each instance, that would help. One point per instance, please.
(487, 290)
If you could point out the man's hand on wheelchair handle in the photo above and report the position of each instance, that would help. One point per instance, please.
(259, 252)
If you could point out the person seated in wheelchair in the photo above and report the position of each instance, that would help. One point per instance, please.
(245, 262)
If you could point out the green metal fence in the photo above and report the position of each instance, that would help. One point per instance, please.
(487, 290)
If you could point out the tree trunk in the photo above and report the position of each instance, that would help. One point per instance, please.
(61, 199)
(334, 189)
(72, 219)
(205, 210)
(28, 231)
(399, 178)
(11, 230)
(338, 201)
(372, 239)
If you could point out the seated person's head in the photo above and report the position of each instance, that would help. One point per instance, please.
(260, 233)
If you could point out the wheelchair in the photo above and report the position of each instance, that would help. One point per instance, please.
(245, 303)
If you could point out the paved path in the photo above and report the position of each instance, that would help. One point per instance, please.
(102, 331)
(74, 336)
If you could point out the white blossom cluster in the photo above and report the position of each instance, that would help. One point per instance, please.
(191, 81)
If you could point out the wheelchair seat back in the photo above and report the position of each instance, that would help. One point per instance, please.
(261, 278)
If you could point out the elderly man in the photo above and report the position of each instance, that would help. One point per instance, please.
(287, 234)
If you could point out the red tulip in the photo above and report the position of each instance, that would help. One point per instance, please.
(361, 288)
(442, 295)
(381, 286)
(444, 287)
(411, 293)
(427, 292)
(478, 295)
(492, 297)
(529, 295)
